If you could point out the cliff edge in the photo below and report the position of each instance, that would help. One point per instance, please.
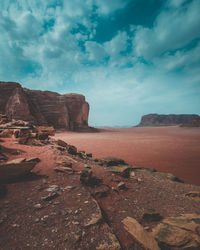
(69, 111)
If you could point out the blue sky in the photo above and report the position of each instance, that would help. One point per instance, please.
(128, 57)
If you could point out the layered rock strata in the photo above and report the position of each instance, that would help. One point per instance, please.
(69, 111)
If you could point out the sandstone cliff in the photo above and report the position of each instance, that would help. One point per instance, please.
(69, 111)
(166, 120)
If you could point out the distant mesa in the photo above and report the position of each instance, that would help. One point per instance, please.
(194, 123)
(169, 120)
(44, 108)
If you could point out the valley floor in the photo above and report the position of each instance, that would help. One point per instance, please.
(167, 149)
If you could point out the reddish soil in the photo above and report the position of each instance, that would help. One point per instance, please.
(167, 149)
(61, 223)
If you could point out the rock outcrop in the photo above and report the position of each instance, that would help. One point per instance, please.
(69, 111)
(16, 168)
(166, 120)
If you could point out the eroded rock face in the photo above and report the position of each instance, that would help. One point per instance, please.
(166, 120)
(69, 111)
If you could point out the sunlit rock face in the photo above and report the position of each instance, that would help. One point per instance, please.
(166, 120)
(69, 111)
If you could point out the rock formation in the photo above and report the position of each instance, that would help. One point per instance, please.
(69, 111)
(194, 123)
(166, 120)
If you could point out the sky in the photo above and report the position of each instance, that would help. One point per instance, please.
(128, 57)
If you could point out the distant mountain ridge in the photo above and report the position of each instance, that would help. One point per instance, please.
(166, 120)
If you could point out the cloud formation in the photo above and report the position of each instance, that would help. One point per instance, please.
(138, 69)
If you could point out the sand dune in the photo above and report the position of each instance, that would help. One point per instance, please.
(167, 149)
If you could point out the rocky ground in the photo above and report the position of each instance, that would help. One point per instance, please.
(73, 201)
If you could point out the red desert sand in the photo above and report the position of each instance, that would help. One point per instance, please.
(167, 149)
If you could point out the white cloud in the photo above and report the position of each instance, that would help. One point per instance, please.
(176, 3)
(106, 7)
(186, 59)
(96, 51)
(173, 29)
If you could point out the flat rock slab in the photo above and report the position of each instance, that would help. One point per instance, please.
(16, 168)
(122, 170)
(194, 195)
(179, 232)
(140, 234)
(111, 161)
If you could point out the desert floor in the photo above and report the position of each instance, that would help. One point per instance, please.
(167, 149)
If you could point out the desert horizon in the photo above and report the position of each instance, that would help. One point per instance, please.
(167, 149)
(100, 125)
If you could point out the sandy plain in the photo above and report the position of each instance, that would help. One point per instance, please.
(167, 149)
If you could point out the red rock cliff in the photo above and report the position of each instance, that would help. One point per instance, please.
(69, 111)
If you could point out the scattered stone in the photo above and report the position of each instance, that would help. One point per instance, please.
(101, 191)
(44, 218)
(53, 188)
(61, 148)
(122, 170)
(67, 164)
(86, 166)
(110, 241)
(132, 174)
(6, 133)
(70, 159)
(43, 136)
(3, 157)
(122, 186)
(3, 217)
(50, 196)
(37, 206)
(111, 161)
(194, 195)
(15, 225)
(63, 169)
(151, 215)
(16, 168)
(56, 203)
(179, 232)
(69, 188)
(89, 155)
(140, 234)
(62, 143)
(139, 180)
(87, 178)
(72, 150)
(94, 217)
(168, 176)
(82, 155)
(3, 191)
(35, 159)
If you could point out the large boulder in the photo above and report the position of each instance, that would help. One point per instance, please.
(16, 168)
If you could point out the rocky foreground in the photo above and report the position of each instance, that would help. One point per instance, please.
(66, 199)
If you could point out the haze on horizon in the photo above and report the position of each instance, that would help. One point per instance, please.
(128, 57)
